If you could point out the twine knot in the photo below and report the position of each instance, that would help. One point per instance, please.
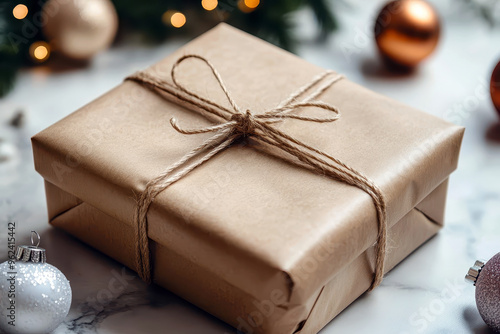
(236, 124)
(245, 123)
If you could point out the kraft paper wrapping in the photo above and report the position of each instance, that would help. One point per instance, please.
(249, 231)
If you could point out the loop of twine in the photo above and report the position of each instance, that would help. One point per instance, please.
(237, 124)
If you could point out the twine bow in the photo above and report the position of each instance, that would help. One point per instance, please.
(237, 124)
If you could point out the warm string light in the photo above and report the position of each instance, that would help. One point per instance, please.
(175, 19)
(40, 51)
(178, 20)
(209, 4)
(247, 6)
(20, 11)
(252, 3)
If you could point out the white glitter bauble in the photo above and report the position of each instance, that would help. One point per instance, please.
(37, 297)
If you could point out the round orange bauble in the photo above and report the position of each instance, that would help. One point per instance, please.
(495, 87)
(407, 31)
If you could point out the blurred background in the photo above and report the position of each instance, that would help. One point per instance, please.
(437, 56)
(37, 31)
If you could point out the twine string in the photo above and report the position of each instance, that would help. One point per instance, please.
(237, 124)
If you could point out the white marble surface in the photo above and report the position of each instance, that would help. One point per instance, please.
(424, 294)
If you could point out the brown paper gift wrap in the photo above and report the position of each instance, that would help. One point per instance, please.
(254, 239)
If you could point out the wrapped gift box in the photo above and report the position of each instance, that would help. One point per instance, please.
(251, 237)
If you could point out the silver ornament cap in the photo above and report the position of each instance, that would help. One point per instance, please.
(31, 253)
(474, 271)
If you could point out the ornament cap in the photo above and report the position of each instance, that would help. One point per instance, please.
(474, 272)
(31, 253)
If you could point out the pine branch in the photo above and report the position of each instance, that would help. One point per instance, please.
(324, 15)
(9, 63)
(270, 20)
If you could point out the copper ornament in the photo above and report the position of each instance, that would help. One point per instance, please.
(407, 31)
(495, 87)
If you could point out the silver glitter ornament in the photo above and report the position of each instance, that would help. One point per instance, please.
(486, 278)
(35, 297)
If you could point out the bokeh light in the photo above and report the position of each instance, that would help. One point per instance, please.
(209, 4)
(40, 51)
(247, 6)
(252, 3)
(178, 20)
(20, 11)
